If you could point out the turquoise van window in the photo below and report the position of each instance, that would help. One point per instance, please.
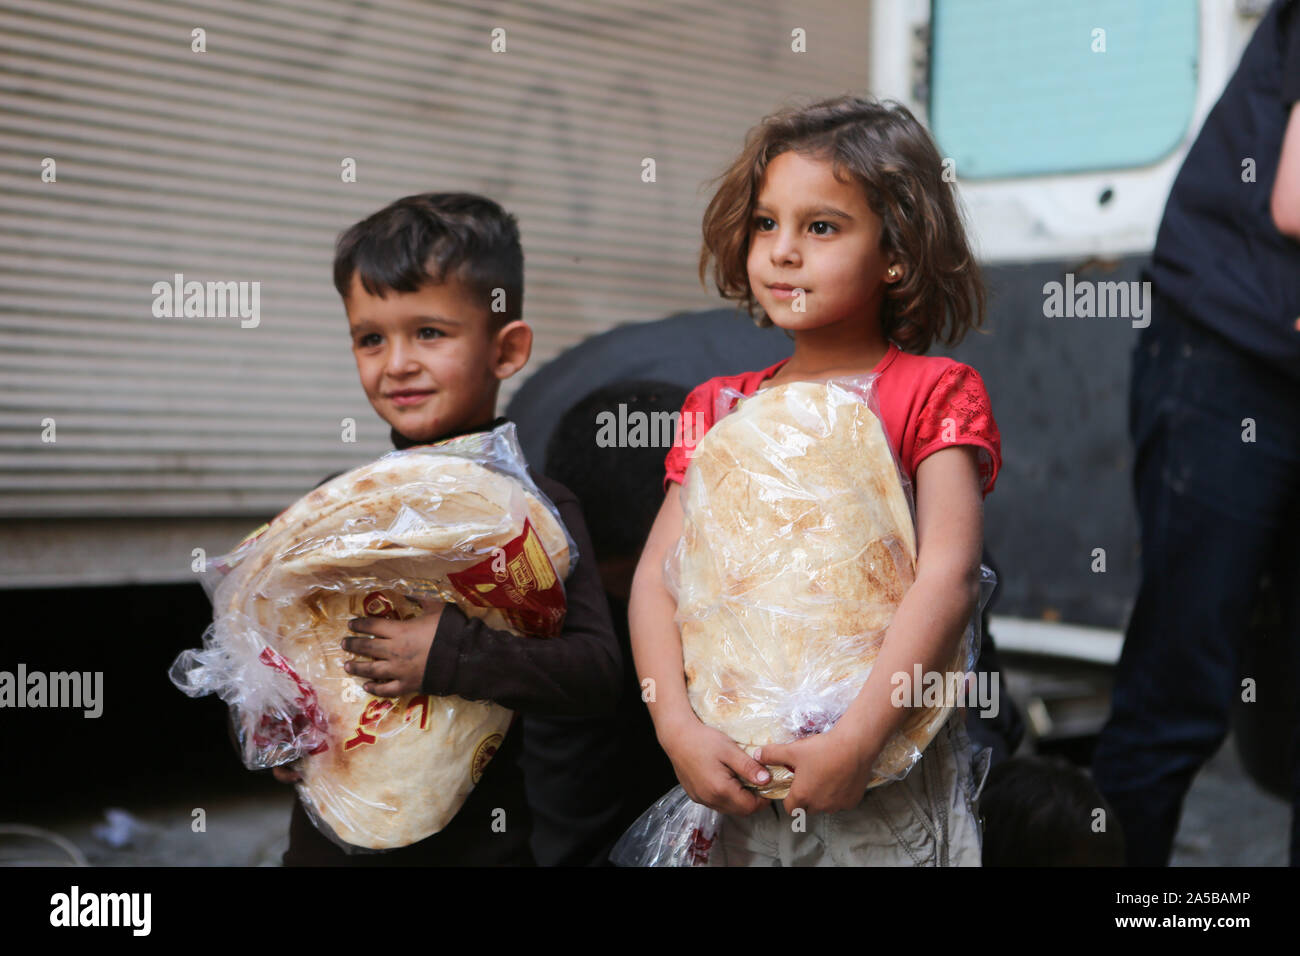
(1038, 87)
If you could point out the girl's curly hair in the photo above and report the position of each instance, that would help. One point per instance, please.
(891, 156)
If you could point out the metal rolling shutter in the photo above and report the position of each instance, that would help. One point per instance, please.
(225, 166)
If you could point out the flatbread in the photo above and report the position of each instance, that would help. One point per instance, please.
(394, 771)
(798, 546)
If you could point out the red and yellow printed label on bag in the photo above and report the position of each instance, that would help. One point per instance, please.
(414, 710)
(487, 749)
(519, 580)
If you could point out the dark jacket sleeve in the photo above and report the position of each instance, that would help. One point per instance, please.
(578, 672)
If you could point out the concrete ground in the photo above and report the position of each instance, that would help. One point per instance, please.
(1227, 821)
(238, 831)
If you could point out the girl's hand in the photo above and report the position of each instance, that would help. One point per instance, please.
(830, 774)
(710, 765)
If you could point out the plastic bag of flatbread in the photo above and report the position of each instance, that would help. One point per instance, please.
(459, 521)
(675, 831)
(798, 545)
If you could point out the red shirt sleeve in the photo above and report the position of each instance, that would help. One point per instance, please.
(696, 419)
(958, 412)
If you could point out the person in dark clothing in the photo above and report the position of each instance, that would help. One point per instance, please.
(1214, 414)
(617, 479)
(422, 281)
(1044, 811)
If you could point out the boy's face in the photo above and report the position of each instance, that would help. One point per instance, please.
(428, 360)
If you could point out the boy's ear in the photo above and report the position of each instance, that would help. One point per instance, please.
(512, 347)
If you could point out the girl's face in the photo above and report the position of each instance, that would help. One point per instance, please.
(813, 233)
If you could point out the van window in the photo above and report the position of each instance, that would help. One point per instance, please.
(1027, 88)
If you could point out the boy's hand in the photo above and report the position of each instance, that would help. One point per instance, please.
(708, 762)
(400, 650)
(829, 773)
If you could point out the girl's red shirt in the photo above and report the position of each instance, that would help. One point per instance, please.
(926, 403)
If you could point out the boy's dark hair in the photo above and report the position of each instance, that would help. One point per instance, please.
(888, 153)
(621, 489)
(1042, 811)
(422, 240)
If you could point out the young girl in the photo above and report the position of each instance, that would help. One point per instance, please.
(836, 223)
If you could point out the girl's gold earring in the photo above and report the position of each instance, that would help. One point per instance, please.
(893, 273)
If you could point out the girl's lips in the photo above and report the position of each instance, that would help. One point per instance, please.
(783, 291)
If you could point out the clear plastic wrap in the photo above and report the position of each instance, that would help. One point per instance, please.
(798, 545)
(676, 831)
(459, 521)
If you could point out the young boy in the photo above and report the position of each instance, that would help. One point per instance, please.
(433, 288)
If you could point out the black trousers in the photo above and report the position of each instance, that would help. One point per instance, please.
(1217, 512)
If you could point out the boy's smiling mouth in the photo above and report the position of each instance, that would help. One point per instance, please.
(408, 396)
